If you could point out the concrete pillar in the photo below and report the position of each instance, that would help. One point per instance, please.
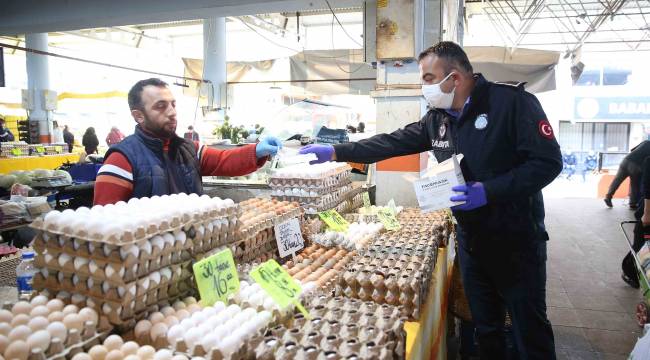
(38, 80)
(214, 60)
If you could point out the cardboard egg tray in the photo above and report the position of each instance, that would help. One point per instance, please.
(251, 229)
(142, 232)
(340, 328)
(345, 203)
(119, 303)
(331, 196)
(336, 178)
(211, 234)
(287, 189)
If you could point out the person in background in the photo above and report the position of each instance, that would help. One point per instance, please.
(156, 161)
(630, 167)
(68, 138)
(361, 127)
(641, 229)
(90, 141)
(351, 129)
(191, 134)
(5, 133)
(570, 163)
(114, 136)
(510, 154)
(590, 164)
(57, 133)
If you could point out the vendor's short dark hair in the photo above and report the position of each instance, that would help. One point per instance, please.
(135, 94)
(452, 53)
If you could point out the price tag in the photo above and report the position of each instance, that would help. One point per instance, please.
(58, 149)
(334, 220)
(40, 149)
(387, 217)
(16, 152)
(216, 277)
(289, 237)
(280, 286)
(366, 200)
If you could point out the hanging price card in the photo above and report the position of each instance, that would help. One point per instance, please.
(16, 152)
(389, 220)
(334, 220)
(280, 286)
(289, 237)
(58, 149)
(216, 277)
(40, 149)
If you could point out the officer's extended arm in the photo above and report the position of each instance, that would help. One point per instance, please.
(411, 139)
(538, 149)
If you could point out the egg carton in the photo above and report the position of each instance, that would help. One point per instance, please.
(74, 283)
(92, 226)
(339, 328)
(78, 344)
(248, 230)
(343, 203)
(207, 236)
(319, 265)
(103, 271)
(306, 191)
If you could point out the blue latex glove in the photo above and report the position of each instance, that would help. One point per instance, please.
(323, 152)
(268, 146)
(473, 194)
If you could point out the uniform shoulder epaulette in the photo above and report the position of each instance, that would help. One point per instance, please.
(512, 84)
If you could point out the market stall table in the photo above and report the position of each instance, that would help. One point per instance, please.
(36, 162)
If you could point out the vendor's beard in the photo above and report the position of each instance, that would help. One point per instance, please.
(153, 128)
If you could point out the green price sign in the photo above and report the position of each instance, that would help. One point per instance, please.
(58, 149)
(366, 200)
(40, 149)
(216, 277)
(334, 220)
(280, 286)
(16, 152)
(389, 220)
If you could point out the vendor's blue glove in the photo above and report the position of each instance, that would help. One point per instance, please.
(473, 194)
(323, 152)
(268, 146)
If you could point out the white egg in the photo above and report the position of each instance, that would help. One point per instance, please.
(98, 352)
(40, 339)
(20, 332)
(39, 300)
(38, 323)
(192, 336)
(58, 330)
(113, 342)
(163, 354)
(79, 262)
(174, 333)
(129, 250)
(64, 259)
(89, 314)
(130, 348)
(146, 352)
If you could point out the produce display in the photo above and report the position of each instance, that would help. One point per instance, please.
(27, 177)
(47, 328)
(124, 266)
(128, 268)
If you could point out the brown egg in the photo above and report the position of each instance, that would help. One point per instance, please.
(6, 316)
(55, 316)
(20, 332)
(40, 310)
(142, 328)
(70, 309)
(55, 305)
(114, 355)
(73, 321)
(17, 350)
(20, 319)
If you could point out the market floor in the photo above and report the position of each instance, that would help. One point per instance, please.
(592, 310)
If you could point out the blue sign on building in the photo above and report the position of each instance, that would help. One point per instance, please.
(612, 108)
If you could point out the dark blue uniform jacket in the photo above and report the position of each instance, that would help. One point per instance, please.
(508, 145)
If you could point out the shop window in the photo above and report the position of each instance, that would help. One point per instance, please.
(589, 78)
(615, 76)
(581, 138)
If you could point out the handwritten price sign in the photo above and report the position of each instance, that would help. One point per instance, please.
(216, 277)
(280, 286)
(289, 237)
(387, 217)
(334, 220)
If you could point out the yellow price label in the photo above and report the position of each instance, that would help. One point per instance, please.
(216, 277)
(366, 200)
(392, 206)
(58, 149)
(16, 152)
(280, 286)
(40, 149)
(389, 220)
(334, 220)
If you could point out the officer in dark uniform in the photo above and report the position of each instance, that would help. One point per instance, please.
(510, 154)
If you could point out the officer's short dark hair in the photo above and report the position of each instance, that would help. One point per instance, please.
(452, 53)
(135, 94)
(190, 127)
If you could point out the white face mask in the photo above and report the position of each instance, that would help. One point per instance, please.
(436, 97)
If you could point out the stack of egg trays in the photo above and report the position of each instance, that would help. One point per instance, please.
(214, 232)
(120, 284)
(348, 202)
(340, 328)
(321, 185)
(332, 196)
(437, 223)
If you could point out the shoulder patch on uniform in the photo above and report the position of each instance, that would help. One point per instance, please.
(545, 129)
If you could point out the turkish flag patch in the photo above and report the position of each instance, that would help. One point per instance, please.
(545, 129)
